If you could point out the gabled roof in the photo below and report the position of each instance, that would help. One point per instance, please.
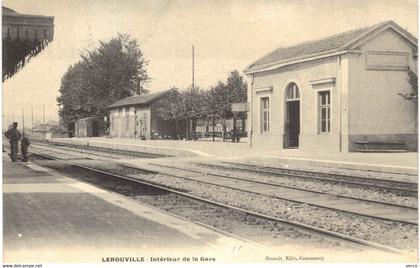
(139, 99)
(341, 42)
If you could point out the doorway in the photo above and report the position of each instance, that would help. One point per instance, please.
(95, 128)
(292, 118)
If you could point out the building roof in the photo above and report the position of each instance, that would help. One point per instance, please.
(18, 50)
(8, 12)
(327, 45)
(139, 99)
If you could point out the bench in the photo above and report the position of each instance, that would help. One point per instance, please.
(380, 146)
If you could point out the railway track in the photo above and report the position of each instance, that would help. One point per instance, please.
(113, 153)
(373, 209)
(369, 180)
(77, 151)
(178, 202)
(280, 186)
(398, 187)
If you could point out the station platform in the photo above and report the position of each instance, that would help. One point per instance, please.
(51, 218)
(382, 162)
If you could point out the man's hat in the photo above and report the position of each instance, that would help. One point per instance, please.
(15, 124)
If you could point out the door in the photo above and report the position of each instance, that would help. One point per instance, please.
(95, 129)
(293, 119)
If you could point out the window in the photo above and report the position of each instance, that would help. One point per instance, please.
(8, 32)
(292, 92)
(27, 34)
(36, 34)
(45, 34)
(265, 115)
(324, 111)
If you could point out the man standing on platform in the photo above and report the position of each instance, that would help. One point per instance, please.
(14, 136)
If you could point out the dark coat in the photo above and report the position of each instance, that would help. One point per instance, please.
(25, 142)
(13, 135)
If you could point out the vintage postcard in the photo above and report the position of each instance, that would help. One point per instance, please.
(145, 132)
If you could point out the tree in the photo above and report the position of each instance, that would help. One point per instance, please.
(194, 109)
(215, 103)
(185, 107)
(220, 97)
(413, 80)
(73, 99)
(193, 104)
(170, 107)
(413, 95)
(237, 89)
(115, 70)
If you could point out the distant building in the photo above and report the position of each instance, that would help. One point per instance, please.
(90, 127)
(136, 117)
(338, 93)
(23, 36)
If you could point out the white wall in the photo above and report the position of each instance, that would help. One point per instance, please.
(374, 104)
(363, 101)
(300, 74)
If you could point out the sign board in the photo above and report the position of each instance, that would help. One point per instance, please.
(200, 129)
(240, 107)
(381, 60)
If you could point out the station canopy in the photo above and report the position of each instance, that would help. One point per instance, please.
(23, 37)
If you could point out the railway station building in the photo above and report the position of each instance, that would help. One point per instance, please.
(136, 117)
(336, 94)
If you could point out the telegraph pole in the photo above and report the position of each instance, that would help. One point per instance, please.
(193, 66)
(23, 121)
(192, 87)
(43, 120)
(32, 119)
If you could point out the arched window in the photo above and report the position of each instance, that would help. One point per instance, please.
(27, 34)
(292, 92)
(45, 34)
(8, 32)
(36, 34)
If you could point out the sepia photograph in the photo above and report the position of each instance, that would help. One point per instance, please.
(175, 132)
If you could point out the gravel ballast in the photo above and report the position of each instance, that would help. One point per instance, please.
(379, 231)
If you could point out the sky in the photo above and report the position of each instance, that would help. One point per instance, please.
(227, 35)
